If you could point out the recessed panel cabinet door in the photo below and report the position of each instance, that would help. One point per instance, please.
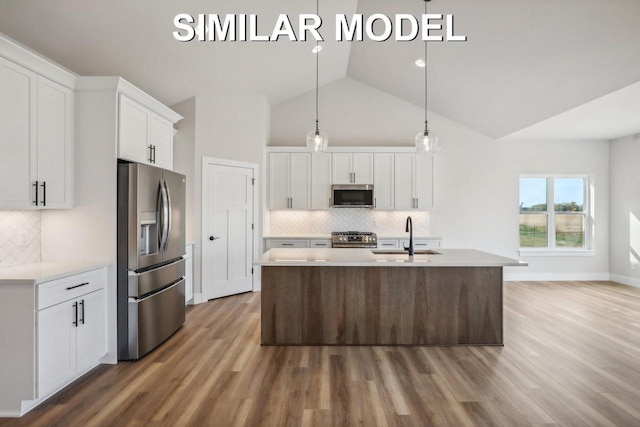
(132, 137)
(321, 181)
(279, 181)
(300, 182)
(161, 136)
(424, 181)
(17, 135)
(55, 144)
(341, 168)
(91, 330)
(56, 346)
(362, 168)
(383, 181)
(404, 178)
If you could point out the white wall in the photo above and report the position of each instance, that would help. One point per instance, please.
(184, 156)
(624, 226)
(476, 177)
(231, 127)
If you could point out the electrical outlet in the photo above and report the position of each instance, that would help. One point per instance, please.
(22, 238)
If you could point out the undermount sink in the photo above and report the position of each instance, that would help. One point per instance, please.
(401, 252)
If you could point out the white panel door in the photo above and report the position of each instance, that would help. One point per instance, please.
(321, 181)
(424, 181)
(91, 334)
(56, 346)
(341, 168)
(362, 168)
(133, 127)
(404, 177)
(55, 144)
(160, 135)
(17, 135)
(383, 181)
(228, 243)
(300, 180)
(279, 181)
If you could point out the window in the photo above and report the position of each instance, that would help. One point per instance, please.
(554, 212)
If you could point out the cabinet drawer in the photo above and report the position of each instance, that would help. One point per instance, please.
(287, 243)
(320, 243)
(422, 243)
(60, 290)
(387, 244)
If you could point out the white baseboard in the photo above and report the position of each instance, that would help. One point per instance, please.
(198, 299)
(625, 280)
(560, 277)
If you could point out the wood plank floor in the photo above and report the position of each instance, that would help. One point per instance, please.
(571, 357)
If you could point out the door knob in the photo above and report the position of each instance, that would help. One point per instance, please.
(213, 238)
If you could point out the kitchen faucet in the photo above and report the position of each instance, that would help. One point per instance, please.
(409, 229)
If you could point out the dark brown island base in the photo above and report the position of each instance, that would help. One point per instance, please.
(357, 297)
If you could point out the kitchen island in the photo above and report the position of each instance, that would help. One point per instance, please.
(358, 297)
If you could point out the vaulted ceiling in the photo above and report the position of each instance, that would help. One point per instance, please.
(524, 62)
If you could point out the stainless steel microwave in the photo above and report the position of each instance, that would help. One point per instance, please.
(352, 196)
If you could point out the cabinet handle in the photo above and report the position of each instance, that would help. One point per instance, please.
(375, 203)
(149, 153)
(154, 154)
(77, 286)
(44, 193)
(286, 244)
(417, 203)
(82, 312)
(75, 308)
(388, 244)
(35, 202)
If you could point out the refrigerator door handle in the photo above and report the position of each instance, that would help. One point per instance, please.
(168, 214)
(162, 216)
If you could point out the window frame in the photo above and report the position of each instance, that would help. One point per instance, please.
(551, 249)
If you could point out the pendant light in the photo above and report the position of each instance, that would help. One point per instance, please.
(316, 140)
(426, 141)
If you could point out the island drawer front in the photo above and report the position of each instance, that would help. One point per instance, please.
(321, 243)
(67, 288)
(422, 243)
(388, 244)
(282, 243)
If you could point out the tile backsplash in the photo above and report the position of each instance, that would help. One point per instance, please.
(19, 237)
(383, 223)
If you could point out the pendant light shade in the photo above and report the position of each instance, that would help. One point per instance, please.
(426, 141)
(317, 141)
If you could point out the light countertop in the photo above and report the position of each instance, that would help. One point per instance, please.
(328, 236)
(31, 274)
(366, 258)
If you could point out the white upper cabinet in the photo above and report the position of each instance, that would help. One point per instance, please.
(289, 181)
(144, 136)
(352, 168)
(55, 145)
(413, 181)
(383, 179)
(321, 181)
(36, 140)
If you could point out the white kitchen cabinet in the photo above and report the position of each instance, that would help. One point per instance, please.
(71, 329)
(352, 168)
(36, 140)
(289, 181)
(188, 274)
(144, 136)
(320, 243)
(383, 178)
(413, 187)
(321, 181)
(388, 244)
(421, 244)
(286, 243)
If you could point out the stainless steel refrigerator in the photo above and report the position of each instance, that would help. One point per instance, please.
(151, 243)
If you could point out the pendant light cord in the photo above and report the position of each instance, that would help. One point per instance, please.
(426, 68)
(317, 65)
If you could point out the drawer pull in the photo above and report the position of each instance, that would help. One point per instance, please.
(77, 286)
(75, 307)
(82, 312)
(286, 244)
(388, 244)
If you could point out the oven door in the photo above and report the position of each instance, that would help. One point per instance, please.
(352, 196)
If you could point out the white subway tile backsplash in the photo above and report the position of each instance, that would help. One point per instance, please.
(383, 223)
(13, 225)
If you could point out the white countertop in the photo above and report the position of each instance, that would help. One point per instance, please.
(39, 272)
(328, 236)
(366, 258)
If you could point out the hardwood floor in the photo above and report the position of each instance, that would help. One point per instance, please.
(571, 357)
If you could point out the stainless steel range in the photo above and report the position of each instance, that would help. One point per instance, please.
(353, 239)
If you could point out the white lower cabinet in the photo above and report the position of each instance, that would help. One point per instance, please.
(286, 243)
(320, 243)
(387, 244)
(70, 329)
(71, 336)
(418, 244)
